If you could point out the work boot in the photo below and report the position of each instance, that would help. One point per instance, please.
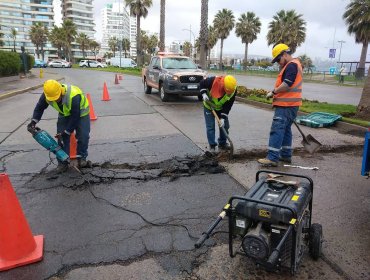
(267, 163)
(62, 167)
(286, 159)
(83, 163)
(224, 147)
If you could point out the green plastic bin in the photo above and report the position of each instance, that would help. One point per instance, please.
(318, 119)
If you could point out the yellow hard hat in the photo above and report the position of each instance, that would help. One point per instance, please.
(52, 90)
(229, 84)
(277, 50)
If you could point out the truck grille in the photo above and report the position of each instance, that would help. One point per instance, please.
(193, 79)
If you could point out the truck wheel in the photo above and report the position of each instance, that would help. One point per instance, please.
(164, 96)
(315, 241)
(147, 89)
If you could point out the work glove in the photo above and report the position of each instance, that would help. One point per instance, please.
(205, 97)
(31, 126)
(270, 94)
(222, 122)
(60, 136)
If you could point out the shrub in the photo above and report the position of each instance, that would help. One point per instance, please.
(10, 63)
(245, 92)
(30, 62)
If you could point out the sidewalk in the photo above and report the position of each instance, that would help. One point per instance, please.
(10, 86)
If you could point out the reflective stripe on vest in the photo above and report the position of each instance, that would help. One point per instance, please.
(71, 91)
(293, 96)
(217, 103)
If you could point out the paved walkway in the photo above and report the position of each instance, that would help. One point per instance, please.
(13, 85)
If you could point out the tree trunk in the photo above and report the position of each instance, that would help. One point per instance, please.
(14, 46)
(246, 54)
(222, 46)
(42, 52)
(363, 108)
(162, 27)
(360, 71)
(138, 43)
(37, 52)
(203, 34)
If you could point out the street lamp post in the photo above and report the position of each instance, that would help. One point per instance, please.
(191, 33)
(340, 49)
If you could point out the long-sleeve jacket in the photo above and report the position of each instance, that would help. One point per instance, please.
(206, 86)
(73, 118)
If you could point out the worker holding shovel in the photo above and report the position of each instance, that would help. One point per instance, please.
(218, 95)
(287, 97)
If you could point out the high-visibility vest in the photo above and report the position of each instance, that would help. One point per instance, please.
(217, 86)
(71, 91)
(293, 96)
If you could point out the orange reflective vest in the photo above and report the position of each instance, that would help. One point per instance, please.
(293, 96)
(217, 91)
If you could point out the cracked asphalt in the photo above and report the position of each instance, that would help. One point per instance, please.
(151, 192)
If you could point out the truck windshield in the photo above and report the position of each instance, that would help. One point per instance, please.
(178, 63)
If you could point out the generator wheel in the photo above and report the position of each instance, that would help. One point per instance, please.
(315, 243)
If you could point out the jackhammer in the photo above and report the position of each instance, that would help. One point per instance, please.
(49, 143)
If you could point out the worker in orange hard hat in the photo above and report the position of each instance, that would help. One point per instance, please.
(73, 108)
(287, 97)
(218, 93)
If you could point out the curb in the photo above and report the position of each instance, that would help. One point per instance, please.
(19, 91)
(340, 126)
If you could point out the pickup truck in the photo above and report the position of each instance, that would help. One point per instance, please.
(172, 75)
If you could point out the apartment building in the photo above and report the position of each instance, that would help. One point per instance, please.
(20, 15)
(116, 22)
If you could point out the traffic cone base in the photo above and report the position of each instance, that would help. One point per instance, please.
(35, 256)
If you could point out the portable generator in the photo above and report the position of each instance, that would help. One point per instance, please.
(271, 223)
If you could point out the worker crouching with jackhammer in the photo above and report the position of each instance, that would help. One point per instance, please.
(218, 95)
(73, 108)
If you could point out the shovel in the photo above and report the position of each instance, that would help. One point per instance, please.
(309, 142)
(224, 131)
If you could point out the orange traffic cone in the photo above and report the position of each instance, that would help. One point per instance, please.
(105, 93)
(93, 117)
(116, 79)
(72, 146)
(17, 245)
(120, 77)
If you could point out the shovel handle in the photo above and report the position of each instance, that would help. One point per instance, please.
(224, 131)
(299, 129)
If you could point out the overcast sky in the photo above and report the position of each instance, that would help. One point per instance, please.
(325, 26)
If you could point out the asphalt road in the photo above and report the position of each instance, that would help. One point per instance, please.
(150, 194)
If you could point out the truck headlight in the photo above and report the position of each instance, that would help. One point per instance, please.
(172, 77)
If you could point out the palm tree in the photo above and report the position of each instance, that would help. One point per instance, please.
(203, 33)
(94, 47)
(139, 8)
(112, 43)
(39, 35)
(126, 45)
(306, 62)
(211, 41)
(56, 39)
(287, 27)
(357, 17)
(363, 108)
(13, 34)
(247, 28)
(186, 47)
(1, 39)
(223, 22)
(83, 41)
(162, 33)
(70, 32)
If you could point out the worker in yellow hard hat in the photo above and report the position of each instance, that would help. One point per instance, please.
(218, 93)
(73, 108)
(287, 97)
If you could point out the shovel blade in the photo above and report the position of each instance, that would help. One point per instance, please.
(311, 144)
